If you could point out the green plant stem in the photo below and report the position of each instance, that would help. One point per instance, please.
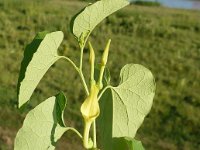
(100, 82)
(81, 68)
(83, 81)
(81, 58)
(74, 130)
(94, 135)
(86, 135)
(71, 62)
(82, 46)
(79, 72)
(101, 93)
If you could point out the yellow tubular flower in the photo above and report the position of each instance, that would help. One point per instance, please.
(90, 111)
(90, 107)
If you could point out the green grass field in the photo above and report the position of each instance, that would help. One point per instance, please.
(165, 40)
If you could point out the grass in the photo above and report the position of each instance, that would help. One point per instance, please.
(167, 42)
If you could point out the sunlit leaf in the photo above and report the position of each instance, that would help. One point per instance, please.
(39, 55)
(43, 125)
(124, 107)
(86, 20)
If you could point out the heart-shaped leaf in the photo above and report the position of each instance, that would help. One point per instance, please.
(123, 108)
(86, 20)
(39, 55)
(43, 125)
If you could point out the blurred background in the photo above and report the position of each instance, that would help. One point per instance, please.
(163, 35)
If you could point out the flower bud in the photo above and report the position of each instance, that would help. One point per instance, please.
(105, 53)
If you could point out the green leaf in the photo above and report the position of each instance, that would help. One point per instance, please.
(104, 121)
(136, 145)
(86, 20)
(39, 55)
(126, 143)
(133, 99)
(43, 125)
(123, 108)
